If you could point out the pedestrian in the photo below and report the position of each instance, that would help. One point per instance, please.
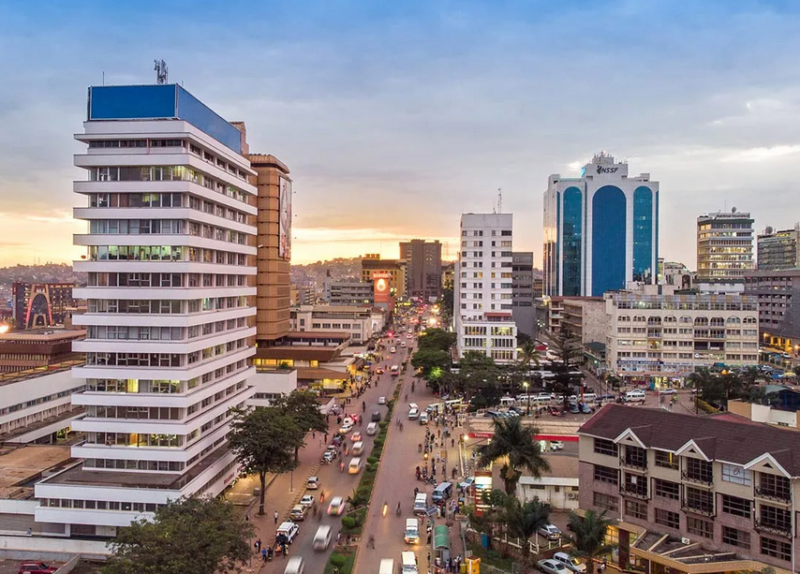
(264, 554)
(258, 545)
(275, 517)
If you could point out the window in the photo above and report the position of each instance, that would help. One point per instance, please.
(605, 501)
(772, 486)
(698, 471)
(602, 446)
(666, 460)
(735, 537)
(700, 527)
(700, 501)
(776, 549)
(668, 519)
(636, 485)
(636, 509)
(606, 474)
(736, 506)
(774, 518)
(635, 457)
(736, 474)
(666, 489)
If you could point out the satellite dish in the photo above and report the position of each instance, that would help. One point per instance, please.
(733, 210)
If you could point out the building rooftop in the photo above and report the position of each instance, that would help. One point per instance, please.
(730, 440)
(43, 335)
(17, 376)
(21, 467)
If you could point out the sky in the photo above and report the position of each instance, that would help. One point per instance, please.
(396, 117)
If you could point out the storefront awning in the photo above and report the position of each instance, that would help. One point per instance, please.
(441, 538)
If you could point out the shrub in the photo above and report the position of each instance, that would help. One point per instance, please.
(348, 522)
(372, 460)
(703, 405)
(337, 559)
(383, 424)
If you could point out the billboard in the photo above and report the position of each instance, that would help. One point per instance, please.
(285, 218)
(381, 289)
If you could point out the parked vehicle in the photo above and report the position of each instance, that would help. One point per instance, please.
(423, 418)
(289, 530)
(551, 566)
(411, 535)
(572, 563)
(636, 396)
(550, 531)
(442, 492)
(556, 445)
(413, 414)
(313, 483)
(307, 500)
(298, 512)
(36, 568)
(381, 400)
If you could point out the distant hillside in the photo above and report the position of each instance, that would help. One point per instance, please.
(48, 273)
(314, 273)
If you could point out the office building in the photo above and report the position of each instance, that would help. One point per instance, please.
(778, 250)
(37, 349)
(584, 318)
(483, 293)
(274, 242)
(38, 305)
(778, 296)
(361, 323)
(170, 255)
(423, 261)
(393, 270)
(724, 246)
(522, 308)
(674, 273)
(448, 275)
(349, 292)
(689, 494)
(659, 334)
(600, 230)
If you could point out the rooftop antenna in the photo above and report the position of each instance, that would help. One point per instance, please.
(499, 208)
(161, 71)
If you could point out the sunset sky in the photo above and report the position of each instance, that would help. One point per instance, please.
(396, 117)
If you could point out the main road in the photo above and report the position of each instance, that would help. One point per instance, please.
(333, 481)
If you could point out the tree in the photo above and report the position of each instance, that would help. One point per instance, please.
(475, 360)
(431, 361)
(202, 535)
(264, 440)
(447, 301)
(528, 354)
(515, 445)
(523, 338)
(303, 407)
(523, 520)
(436, 339)
(589, 536)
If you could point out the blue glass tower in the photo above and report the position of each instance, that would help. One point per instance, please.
(600, 230)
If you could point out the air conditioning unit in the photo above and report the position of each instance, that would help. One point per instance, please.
(685, 541)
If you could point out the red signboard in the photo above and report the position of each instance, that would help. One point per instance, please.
(381, 290)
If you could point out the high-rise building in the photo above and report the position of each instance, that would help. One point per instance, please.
(600, 230)
(274, 246)
(778, 250)
(169, 255)
(37, 305)
(522, 308)
(483, 292)
(778, 295)
(394, 270)
(724, 246)
(423, 268)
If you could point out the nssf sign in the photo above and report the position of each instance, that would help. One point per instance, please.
(603, 169)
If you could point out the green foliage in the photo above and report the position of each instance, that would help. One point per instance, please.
(383, 424)
(589, 536)
(513, 443)
(348, 522)
(201, 535)
(705, 407)
(431, 362)
(372, 459)
(528, 354)
(437, 339)
(264, 440)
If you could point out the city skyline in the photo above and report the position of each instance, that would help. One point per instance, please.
(401, 103)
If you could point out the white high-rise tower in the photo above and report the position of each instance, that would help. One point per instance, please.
(170, 323)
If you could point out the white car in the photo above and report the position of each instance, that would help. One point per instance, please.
(307, 500)
(381, 400)
(289, 530)
(556, 445)
(345, 428)
(572, 563)
(393, 350)
(336, 507)
(552, 567)
(550, 531)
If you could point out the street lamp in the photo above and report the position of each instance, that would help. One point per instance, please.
(525, 385)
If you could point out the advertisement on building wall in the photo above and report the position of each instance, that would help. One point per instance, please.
(285, 221)
(381, 288)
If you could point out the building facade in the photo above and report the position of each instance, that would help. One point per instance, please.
(274, 242)
(600, 230)
(778, 296)
(483, 293)
(393, 269)
(38, 305)
(170, 256)
(349, 292)
(681, 487)
(778, 250)
(585, 319)
(37, 349)
(659, 334)
(360, 322)
(724, 245)
(522, 297)
(423, 261)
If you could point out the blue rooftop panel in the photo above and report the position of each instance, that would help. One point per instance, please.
(168, 101)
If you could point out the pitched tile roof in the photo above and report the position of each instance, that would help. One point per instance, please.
(725, 439)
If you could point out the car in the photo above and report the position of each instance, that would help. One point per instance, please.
(467, 482)
(307, 500)
(668, 392)
(298, 512)
(551, 566)
(322, 538)
(550, 531)
(288, 530)
(393, 350)
(572, 563)
(350, 420)
(554, 411)
(381, 400)
(410, 336)
(355, 437)
(36, 568)
(574, 409)
(511, 413)
(403, 344)
(336, 507)
(295, 565)
(413, 414)
(556, 445)
(379, 371)
(313, 483)
(344, 429)
(376, 417)
(328, 456)
(585, 409)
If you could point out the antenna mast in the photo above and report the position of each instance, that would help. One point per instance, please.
(161, 71)
(499, 200)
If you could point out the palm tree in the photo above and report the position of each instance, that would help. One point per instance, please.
(523, 520)
(589, 536)
(515, 444)
(528, 354)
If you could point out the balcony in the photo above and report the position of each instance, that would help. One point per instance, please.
(773, 495)
(634, 491)
(701, 479)
(770, 528)
(633, 463)
(702, 509)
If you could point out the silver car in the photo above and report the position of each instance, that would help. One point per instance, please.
(550, 531)
(552, 567)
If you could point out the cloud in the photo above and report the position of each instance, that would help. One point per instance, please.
(764, 153)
